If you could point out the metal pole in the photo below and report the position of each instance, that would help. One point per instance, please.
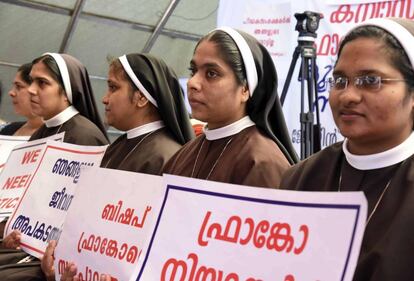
(102, 19)
(160, 26)
(72, 25)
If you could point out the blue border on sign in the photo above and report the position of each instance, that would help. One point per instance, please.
(256, 200)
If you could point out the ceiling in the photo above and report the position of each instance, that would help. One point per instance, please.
(95, 30)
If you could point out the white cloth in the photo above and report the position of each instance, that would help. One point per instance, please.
(383, 159)
(229, 130)
(62, 117)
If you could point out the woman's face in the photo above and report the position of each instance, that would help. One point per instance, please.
(372, 120)
(47, 97)
(21, 97)
(213, 92)
(119, 108)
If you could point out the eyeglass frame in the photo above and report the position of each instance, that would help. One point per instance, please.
(360, 82)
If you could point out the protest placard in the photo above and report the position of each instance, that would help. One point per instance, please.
(214, 231)
(17, 174)
(107, 228)
(7, 143)
(40, 214)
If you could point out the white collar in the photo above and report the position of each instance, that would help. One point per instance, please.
(383, 159)
(62, 117)
(144, 129)
(229, 130)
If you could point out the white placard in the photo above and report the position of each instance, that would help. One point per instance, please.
(40, 214)
(210, 229)
(7, 143)
(108, 227)
(17, 174)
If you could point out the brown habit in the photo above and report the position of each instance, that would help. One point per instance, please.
(78, 130)
(387, 249)
(250, 158)
(144, 154)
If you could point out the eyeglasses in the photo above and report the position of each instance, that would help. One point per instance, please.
(367, 82)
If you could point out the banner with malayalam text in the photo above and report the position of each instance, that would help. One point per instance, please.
(40, 214)
(215, 231)
(7, 143)
(111, 234)
(273, 23)
(21, 166)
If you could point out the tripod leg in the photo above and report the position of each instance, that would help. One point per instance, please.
(317, 126)
(304, 151)
(311, 89)
(295, 57)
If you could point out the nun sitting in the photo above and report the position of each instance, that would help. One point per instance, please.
(144, 98)
(233, 88)
(61, 94)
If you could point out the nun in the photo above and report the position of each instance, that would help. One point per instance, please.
(233, 88)
(21, 103)
(61, 94)
(144, 99)
(372, 101)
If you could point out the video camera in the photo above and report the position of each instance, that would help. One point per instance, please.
(307, 22)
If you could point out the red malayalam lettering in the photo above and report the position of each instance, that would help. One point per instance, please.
(113, 213)
(62, 265)
(264, 31)
(329, 45)
(108, 247)
(267, 42)
(277, 236)
(362, 12)
(280, 20)
(88, 275)
(190, 270)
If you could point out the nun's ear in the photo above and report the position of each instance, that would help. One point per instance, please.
(139, 99)
(245, 93)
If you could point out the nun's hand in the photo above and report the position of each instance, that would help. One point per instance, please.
(12, 241)
(69, 273)
(47, 261)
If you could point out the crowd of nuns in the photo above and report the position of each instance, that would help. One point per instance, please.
(233, 89)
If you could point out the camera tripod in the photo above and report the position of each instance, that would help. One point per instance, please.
(310, 132)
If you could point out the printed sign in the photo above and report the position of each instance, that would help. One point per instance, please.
(40, 214)
(21, 166)
(7, 143)
(111, 234)
(215, 231)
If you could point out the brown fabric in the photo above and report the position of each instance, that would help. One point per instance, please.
(144, 154)
(10, 256)
(251, 158)
(10, 270)
(78, 130)
(388, 246)
(30, 271)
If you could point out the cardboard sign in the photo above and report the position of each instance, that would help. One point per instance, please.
(7, 143)
(107, 229)
(214, 231)
(40, 214)
(17, 174)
